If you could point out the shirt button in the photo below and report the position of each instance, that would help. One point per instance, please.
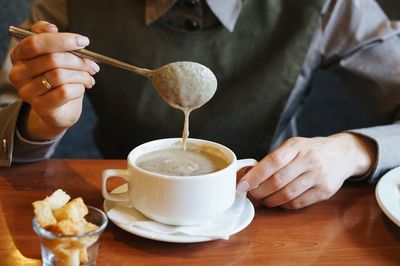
(191, 25)
(191, 3)
(4, 144)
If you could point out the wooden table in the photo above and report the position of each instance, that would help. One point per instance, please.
(347, 229)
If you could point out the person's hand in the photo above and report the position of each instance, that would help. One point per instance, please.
(303, 171)
(51, 80)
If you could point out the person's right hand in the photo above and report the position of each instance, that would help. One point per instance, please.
(45, 56)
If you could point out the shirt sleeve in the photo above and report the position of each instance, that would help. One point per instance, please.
(8, 120)
(13, 146)
(358, 35)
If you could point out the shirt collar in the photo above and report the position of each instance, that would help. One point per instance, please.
(227, 11)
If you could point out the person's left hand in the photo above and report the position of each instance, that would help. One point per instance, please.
(303, 171)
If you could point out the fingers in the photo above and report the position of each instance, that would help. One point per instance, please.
(63, 94)
(24, 71)
(46, 43)
(289, 192)
(273, 162)
(280, 178)
(58, 97)
(44, 26)
(47, 53)
(308, 198)
(56, 78)
(59, 77)
(242, 172)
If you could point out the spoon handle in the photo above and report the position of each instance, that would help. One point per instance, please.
(99, 58)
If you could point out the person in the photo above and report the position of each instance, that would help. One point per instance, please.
(309, 88)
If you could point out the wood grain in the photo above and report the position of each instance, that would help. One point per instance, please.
(347, 229)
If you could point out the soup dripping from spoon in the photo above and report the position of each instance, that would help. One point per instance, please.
(185, 86)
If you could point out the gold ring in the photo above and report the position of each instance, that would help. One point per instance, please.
(46, 83)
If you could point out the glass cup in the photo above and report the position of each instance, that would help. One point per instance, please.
(72, 249)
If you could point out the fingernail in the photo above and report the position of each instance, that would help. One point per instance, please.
(95, 67)
(243, 186)
(93, 81)
(82, 41)
(50, 27)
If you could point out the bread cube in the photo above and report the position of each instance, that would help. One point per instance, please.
(75, 210)
(58, 199)
(43, 213)
(89, 227)
(67, 227)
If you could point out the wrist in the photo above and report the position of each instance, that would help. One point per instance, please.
(32, 127)
(361, 152)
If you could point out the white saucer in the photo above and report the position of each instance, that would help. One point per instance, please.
(244, 220)
(387, 193)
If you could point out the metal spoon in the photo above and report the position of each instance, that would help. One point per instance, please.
(184, 85)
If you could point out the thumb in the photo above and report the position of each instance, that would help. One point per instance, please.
(44, 26)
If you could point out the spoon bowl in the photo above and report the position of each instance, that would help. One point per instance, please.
(184, 85)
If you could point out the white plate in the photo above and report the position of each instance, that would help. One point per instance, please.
(245, 219)
(387, 193)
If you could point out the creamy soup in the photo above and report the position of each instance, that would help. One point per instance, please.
(177, 162)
